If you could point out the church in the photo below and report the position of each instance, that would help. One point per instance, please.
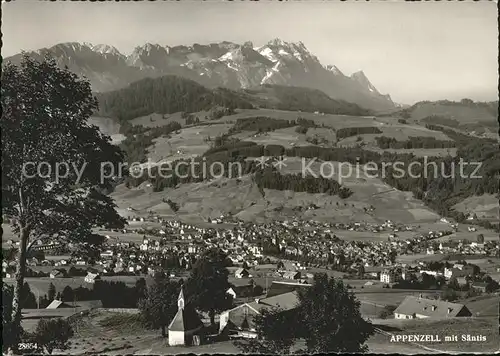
(186, 326)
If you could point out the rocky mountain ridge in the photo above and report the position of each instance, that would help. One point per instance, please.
(224, 64)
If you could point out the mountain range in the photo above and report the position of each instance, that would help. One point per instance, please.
(225, 64)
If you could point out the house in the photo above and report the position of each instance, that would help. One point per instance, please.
(279, 287)
(241, 273)
(419, 308)
(480, 286)
(458, 271)
(58, 273)
(291, 275)
(186, 326)
(239, 320)
(56, 304)
(389, 276)
(92, 277)
(231, 292)
(241, 289)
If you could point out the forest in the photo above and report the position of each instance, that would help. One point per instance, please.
(165, 95)
(355, 131)
(413, 142)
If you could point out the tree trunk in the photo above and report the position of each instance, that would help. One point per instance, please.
(163, 332)
(18, 287)
(212, 317)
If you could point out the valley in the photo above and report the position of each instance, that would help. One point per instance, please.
(254, 172)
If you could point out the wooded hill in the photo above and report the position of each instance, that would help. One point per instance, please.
(170, 94)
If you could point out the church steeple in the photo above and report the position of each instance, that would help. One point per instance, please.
(180, 300)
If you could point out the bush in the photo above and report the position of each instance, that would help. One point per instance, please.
(387, 311)
(53, 334)
(301, 130)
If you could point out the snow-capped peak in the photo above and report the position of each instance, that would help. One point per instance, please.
(105, 49)
(227, 56)
(267, 52)
(277, 43)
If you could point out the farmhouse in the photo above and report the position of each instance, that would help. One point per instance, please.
(239, 320)
(419, 308)
(458, 271)
(92, 277)
(390, 276)
(241, 290)
(56, 304)
(291, 275)
(278, 287)
(58, 273)
(241, 273)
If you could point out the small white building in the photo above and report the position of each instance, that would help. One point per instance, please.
(92, 277)
(185, 326)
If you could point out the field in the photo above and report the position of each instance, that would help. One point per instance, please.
(115, 334)
(242, 198)
(484, 206)
(190, 141)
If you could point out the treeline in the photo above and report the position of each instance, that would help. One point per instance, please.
(185, 171)
(491, 106)
(441, 120)
(413, 142)
(355, 131)
(304, 125)
(460, 139)
(261, 124)
(271, 179)
(244, 149)
(107, 292)
(139, 138)
(166, 95)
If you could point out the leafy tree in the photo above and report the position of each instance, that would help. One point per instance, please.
(160, 303)
(480, 239)
(387, 311)
(361, 271)
(280, 265)
(68, 294)
(275, 330)
(141, 288)
(44, 125)
(330, 320)
(53, 334)
(449, 294)
(453, 284)
(9, 338)
(28, 299)
(208, 283)
(52, 291)
(327, 317)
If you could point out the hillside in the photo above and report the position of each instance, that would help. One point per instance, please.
(225, 64)
(479, 118)
(171, 94)
(168, 94)
(248, 134)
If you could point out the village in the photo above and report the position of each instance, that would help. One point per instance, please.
(270, 262)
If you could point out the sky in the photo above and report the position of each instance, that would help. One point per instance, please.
(412, 51)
